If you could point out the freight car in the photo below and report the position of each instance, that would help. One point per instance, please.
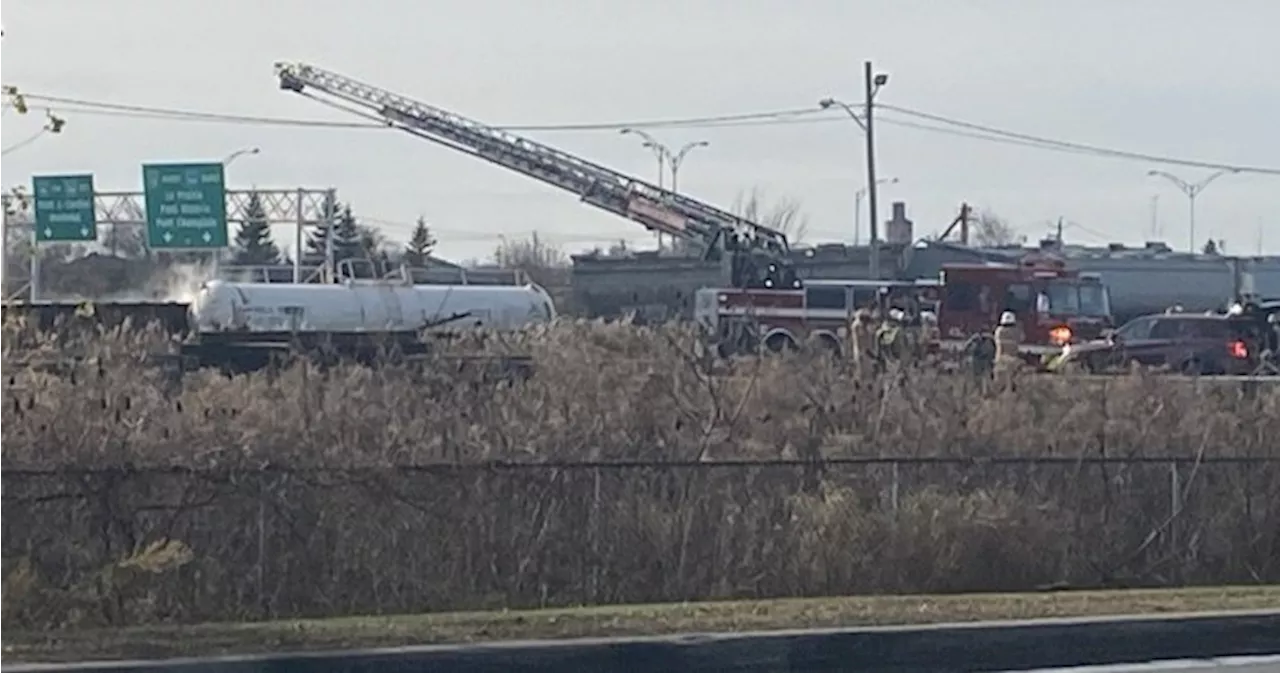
(247, 324)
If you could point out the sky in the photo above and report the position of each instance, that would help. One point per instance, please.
(1177, 78)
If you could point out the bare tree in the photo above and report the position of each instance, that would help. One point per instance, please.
(991, 231)
(534, 256)
(784, 215)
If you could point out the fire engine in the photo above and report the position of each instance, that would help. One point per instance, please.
(1054, 305)
(818, 312)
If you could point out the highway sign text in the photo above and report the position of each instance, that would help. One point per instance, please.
(186, 206)
(64, 208)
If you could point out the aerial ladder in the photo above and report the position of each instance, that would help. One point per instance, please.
(758, 253)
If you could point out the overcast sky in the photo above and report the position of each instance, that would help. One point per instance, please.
(1183, 78)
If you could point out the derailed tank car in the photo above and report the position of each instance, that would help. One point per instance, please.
(248, 323)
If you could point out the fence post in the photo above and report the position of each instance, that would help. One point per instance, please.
(262, 544)
(1175, 504)
(894, 485)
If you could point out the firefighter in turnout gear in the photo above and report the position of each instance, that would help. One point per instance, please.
(1008, 336)
(930, 334)
(861, 337)
(891, 339)
(980, 349)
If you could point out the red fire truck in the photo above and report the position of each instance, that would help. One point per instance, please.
(1054, 305)
(744, 320)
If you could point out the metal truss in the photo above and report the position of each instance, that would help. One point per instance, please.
(281, 206)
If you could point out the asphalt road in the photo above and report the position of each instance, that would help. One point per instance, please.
(1270, 664)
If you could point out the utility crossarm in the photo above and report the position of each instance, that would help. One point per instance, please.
(657, 209)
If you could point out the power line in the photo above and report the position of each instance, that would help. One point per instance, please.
(159, 112)
(1081, 147)
(949, 126)
(24, 142)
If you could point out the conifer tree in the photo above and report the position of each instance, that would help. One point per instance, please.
(421, 243)
(253, 243)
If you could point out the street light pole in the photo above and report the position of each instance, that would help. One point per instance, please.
(239, 153)
(676, 160)
(665, 158)
(1192, 190)
(216, 255)
(871, 86)
(659, 150)
(857, 208)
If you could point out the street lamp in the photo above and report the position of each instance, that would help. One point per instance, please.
(665, 157)
(872, 83)
(239, 153)
(677, 159)
(659, 150)
(1192, 190)
(857, 208)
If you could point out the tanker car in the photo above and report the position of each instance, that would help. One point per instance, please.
(244, 324)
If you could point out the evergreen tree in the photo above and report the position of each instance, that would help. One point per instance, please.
(421, 243)
(346, 239)
(253, 243)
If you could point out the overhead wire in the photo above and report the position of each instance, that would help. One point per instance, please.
(24, 142)
(1082, 147)
(377, 122)
(940, 124)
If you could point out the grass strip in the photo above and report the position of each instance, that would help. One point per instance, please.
(161, 641)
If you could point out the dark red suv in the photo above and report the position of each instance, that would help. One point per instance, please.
(1190, 343)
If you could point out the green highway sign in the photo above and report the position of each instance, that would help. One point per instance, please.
(64, 208)
(186, 206)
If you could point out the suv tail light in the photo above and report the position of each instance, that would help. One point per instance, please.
(1238, 350)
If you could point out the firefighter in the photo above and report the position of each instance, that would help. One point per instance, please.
(891, 340)
(980, 349)
(861, 336)
(1269, 358)
(1008, 336)
(930, 334)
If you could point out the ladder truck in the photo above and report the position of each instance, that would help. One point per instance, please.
(756, 255)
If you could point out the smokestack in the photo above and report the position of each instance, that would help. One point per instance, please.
(899, 229)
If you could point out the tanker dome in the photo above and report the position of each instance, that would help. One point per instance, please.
(364, 308)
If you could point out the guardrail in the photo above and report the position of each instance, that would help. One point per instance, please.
(980, 646)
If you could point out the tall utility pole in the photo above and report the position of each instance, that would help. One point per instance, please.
(872, 84)
(1192, 190)
(874, 212)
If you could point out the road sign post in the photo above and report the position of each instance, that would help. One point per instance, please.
(64, 208)
(186, 206)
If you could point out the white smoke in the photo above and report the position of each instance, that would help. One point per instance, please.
(178, 283)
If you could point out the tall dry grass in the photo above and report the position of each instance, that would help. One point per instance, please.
(321, 491)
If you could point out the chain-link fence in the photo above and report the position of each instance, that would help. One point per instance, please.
(320, 542)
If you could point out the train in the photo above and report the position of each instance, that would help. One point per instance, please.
(253, 311)
(245, 326)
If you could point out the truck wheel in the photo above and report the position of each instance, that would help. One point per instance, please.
(780, 343)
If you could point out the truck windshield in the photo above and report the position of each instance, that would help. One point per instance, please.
(1094, 300)
(1087, 299)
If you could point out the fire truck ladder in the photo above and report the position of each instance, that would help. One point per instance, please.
(661, 210)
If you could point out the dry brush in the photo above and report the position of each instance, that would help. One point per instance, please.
(332, 491)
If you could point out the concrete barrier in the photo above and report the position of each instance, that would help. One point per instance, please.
(979, 646)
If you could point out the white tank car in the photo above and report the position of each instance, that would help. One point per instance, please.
(366, 308)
